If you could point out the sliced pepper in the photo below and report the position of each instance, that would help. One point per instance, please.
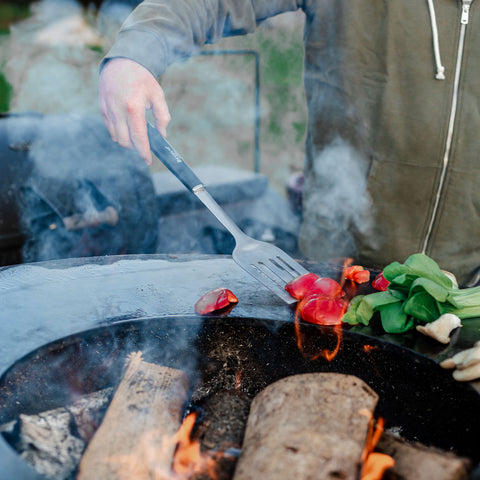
(380, 283)
(301, 286)
(357, 274)
(214, 300)
(310, 283)
(322, 309)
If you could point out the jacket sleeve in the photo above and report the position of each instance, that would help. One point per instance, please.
(160, 32)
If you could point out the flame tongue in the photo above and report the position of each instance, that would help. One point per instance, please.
(374, 464)
(188, 459)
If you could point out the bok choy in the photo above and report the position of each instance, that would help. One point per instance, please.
(419, 292)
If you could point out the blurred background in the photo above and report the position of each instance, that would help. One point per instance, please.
(238, 114)
(50, 51)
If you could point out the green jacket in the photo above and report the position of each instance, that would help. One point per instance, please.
(392, 152)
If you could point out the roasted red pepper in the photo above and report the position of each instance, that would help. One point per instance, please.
(322, 309)
(214, 300)
(327, 286)
(310, 283)
(380, 283)
(301, 286)
(357, 274)
(320, 299)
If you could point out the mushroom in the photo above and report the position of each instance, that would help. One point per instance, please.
(466, 364)
(441, 328)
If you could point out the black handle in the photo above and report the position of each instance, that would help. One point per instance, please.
(171, 158)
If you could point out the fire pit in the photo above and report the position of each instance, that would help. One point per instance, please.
(86, 350)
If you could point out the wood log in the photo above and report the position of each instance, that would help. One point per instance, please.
(53, 441)
(222, 430)
(307, 426)
(136, 437)
(419, 462)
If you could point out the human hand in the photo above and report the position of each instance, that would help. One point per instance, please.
(126, 91)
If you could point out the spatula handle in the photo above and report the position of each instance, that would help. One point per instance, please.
(171, 158)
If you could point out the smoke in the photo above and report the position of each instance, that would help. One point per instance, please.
(51, 58)
(337, 205)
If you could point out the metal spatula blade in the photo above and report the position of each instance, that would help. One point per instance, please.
(267, 263)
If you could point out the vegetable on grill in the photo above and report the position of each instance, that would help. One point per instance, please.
(214, 300)
(320, 299)
(418, 292)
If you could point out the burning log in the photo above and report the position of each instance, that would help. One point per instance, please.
(307, 426)
(419, 462)
(135, 437)
(223, 428)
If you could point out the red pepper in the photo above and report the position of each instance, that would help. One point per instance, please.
(357, 274)
(215, 300)
(327, 286)
(322, 309)
(310, 283)
(301, 286)
(380, 283)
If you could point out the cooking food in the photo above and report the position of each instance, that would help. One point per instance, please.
(214, 300)
(320, 298)
(357, 274)
(310, 284)
(380, 283)
(322, 309)
(418, 292)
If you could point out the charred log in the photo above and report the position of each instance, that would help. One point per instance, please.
(419, 462)
(222, 429)
(307, 426)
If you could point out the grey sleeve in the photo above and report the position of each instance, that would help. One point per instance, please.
(161, 32)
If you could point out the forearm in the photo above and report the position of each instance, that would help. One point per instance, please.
(161, 32)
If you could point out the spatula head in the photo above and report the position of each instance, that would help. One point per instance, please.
(270, 265)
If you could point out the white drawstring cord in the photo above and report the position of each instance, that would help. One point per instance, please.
(436, 45)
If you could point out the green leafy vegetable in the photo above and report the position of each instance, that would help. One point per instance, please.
(419, 291)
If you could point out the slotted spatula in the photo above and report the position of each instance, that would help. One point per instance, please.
(270, 265)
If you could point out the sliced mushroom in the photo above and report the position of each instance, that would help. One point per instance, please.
(466, 364)
(467, 374)
(441, 328)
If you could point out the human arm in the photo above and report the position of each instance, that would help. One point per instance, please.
(157, 34)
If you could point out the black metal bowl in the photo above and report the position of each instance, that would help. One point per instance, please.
(416, 395)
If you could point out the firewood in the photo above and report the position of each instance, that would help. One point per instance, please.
(135, 439)
(222, 430)
(53, 441)
(307, 426)
(419, 462)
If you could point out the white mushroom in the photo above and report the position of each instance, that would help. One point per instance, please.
(466, 364)
(441, 328)
(467, 374)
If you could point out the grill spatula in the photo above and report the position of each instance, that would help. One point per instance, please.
(270, 265)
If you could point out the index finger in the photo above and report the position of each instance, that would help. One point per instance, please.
(139, 137)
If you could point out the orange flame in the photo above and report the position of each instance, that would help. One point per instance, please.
(329, 355)
(347, 262)
(374, 464)
(188, 459)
